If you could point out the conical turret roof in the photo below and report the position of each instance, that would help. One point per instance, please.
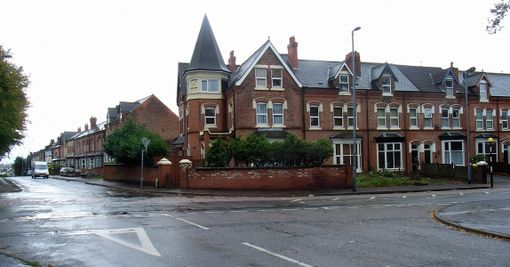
(207, 55)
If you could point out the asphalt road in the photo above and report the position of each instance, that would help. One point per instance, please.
(74, 224)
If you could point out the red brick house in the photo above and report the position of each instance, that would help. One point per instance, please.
(85, 148)
(149, 111)
(406, 115)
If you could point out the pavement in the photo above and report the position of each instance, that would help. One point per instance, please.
(483, 217)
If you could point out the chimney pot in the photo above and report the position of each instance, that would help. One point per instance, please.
(93, 122)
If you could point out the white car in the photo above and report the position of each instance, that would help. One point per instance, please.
(40, 168)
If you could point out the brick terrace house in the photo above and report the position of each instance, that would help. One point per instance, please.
(59, 150)
(406, 114)
(149, 111)
(85, 148)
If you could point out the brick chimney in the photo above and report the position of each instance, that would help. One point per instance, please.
(93, 122)
(292, 52)
(86, 126)
(232, 61)
(348, 61)
(79, 129)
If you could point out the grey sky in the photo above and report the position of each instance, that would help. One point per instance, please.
(86, 56)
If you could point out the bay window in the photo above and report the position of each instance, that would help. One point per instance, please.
(389, 156)
(453, 152)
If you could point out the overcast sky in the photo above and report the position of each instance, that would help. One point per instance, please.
(86, 56)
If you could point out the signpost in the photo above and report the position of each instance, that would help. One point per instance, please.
(145, 143)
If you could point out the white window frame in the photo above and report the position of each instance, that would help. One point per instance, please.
(504, 119)
(210, 116)
(456, 123)
(338, 117)
(208, 83)
(430, 149)
(275, 78)
(427, 117)
(317, 117)
(445, 120)
(394, 118)
(449, 89)
(280, 114)
(381, 118)
(260, 114)
(413, 120)
(338, 154)
(386, 85)
(351, 117)
(489, 119)
(479, 125)
(448, 160)
(484, 95)
(385, 153)
(343, 85)
(260, 77)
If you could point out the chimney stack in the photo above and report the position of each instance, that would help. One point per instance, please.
(455, 70)
(232, 61)
(292, 53)
(348, 62)
(86, 126)
(93, 122)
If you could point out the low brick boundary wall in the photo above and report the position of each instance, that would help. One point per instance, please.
(131, 174)
(302, 178)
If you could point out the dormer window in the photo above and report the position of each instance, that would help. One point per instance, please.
(483, 91)
(386, 85)
(276, 77)
(343, 83)
(261, 78)
(211, 86)
(449, 87)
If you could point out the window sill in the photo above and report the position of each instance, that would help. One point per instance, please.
(428, 128)
(314, 128)
(395, 128)
(414, 128)
(484, 100)
(350, 128)
(457, 128)
(278, 89)
(278, 125)
(446, 128)
(387, 94)
(450, 97)
(262, 126)
(261, 89)
(338, 128)
(505, 130)
(381, 128)
(210, 126)
(344, 93)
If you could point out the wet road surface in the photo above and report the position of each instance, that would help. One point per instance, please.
(74, 224)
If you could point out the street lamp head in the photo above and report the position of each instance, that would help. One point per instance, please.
(490, 140)
(357, 28)
(472, 69)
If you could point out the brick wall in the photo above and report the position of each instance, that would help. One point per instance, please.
(326, 177)
(131, 174)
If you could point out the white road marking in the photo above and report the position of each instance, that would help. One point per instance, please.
(486, 192)
(167, 215)
(335, 199)
(311, 208)
(277, 255)
(371, 198)
(461, 194)
(404, 196)
(302, 202)
(192, 223)
(433, 195)
(296, 200)
(213, 212)
(289, 209)
(238, 211)
(145, 244)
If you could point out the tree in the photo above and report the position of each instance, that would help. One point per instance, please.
(217, 155)
(125, 144)
(13, 103)
(18, 166)
(498, 13)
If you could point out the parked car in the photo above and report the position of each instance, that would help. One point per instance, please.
(67, 171)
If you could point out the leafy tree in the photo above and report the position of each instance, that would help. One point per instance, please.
(18, 166)
(317, 152)
(498, 13)
(258, 148)
(13, 103)
(125, 144)
(217, 155)
(237, 149)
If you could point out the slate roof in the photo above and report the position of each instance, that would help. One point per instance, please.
(207, 55)
(100, 127)
(500, 84)
(241, 70)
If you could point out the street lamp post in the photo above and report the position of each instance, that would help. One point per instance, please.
(490, 140)
(354, 108)
(145, 143)
(465, 76)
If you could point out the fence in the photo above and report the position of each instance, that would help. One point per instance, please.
(454, 172)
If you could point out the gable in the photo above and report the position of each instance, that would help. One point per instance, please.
(268, 46)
